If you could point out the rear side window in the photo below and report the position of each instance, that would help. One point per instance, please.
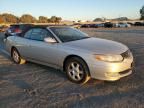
(21, 27)
(28, 34)
(36, 34)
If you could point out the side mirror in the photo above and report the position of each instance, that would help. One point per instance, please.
(50, 40)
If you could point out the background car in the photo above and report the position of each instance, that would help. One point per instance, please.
(139, 24)
(101, 25)
(108, 25)
(93, 25)
(96, 25)
(85, 26)
(122, 25)
(16, 29)
(3, 28)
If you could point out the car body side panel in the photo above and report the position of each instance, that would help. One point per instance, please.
(66, 51)
(22, 45)
(38, 50)
(9, 42)
(43, 52)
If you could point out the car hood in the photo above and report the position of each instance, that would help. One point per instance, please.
(98, 46)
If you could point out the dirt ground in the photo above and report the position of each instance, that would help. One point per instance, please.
(35, 86)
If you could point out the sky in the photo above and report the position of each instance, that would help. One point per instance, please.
(74, 9)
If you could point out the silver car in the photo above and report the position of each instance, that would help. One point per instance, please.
(81, 57)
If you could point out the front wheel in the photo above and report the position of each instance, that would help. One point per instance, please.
(16, 57)
(77, 71)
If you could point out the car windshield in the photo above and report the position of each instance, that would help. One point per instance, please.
(66, 34)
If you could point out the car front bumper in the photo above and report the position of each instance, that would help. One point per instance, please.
(111, 71)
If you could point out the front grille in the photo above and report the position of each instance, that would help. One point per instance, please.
(126, 54)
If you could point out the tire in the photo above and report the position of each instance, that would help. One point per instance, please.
(16, 57)
(77, 71)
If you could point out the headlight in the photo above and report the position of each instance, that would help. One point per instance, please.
(109, 58)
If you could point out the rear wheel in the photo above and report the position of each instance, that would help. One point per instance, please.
(16, 57)
(77, 70)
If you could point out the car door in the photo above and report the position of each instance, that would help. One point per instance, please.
(42, 51)
(23, 44)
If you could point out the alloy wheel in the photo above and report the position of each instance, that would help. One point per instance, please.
(75, 71)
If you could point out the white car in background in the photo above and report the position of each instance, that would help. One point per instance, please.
(122, 25)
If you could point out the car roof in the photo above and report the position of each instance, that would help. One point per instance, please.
(20, 24)
(48, 26)
(41, 26)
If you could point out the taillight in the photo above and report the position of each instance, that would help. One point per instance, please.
(17, 30)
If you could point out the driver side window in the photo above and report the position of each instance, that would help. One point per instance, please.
(46, 34)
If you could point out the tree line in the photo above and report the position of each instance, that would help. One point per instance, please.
(122, 18)
(142, 13)
(27, 18)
